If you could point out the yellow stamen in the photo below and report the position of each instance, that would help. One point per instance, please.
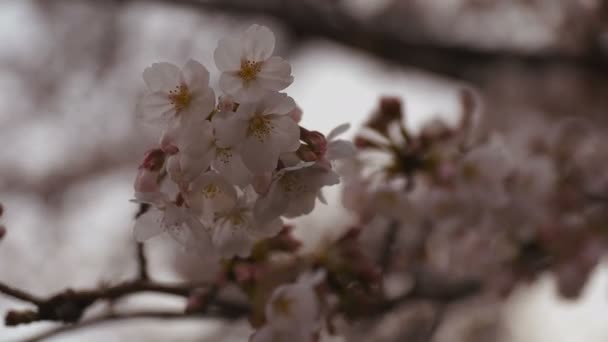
(249, 70)
(180, 97)
(260, 127)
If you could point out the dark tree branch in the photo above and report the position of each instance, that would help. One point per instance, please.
(68, 306)
(318, 19)
(111, 318)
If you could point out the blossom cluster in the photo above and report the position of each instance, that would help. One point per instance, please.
(484, 205)
(238, 165)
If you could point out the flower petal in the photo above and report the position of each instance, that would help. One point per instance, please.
(337, 131)
(231, 84)
(276, 103)
(162, 77)
(275, 74)
(228, 54)
(258, 43)
(340, 149)
(148, 225)
(230, 129)
(195, 75)
(155, 107)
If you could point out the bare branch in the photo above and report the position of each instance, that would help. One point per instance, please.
(18, 294)
(111, 318)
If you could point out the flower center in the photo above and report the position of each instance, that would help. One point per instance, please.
(282, 305)
(180, 97)
(260, 127)
(210, 191)
(249, 70)
(290, 182)
(224, 154)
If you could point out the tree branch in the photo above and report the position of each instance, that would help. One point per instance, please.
(69, 305)
(111, 318)
(314, 19)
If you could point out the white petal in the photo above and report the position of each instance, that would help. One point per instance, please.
(276, 103)
(258, 43)
(195, 75)
(259, 157)
(272, 205)
(337, 131)
(231, 241)
(285, 134)
(231, 84)
(275, 74)
(228, 54)
(155, 107)
(340, 149)
(148, 225)
(230, 165)
(230, 129)
(162, 77)
(268, 229)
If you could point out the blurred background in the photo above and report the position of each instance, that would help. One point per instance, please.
(70, 76)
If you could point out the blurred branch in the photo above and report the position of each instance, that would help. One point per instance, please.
(110, 318)
(69, 305)
(433, 287)
(390, 237)
(320, 19)
(142, 262)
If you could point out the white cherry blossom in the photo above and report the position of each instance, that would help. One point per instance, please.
(261, 131)
(210, 193)
(166, 217)
(195, 150)
(176, 93)
(293, 191)
(293, 311)
(248, 67)
(236, 229)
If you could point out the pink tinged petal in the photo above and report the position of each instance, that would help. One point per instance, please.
(230, 165)
(338, 131)
(232, 85)
(162, 77)
(203, 103)
(285, 134)
(268, 229)
(231, 241)
(195, 75)
(340, 149)
(148, 226)
(275, 74)
(146, 181)
(276, 103)
(228, 54)
(155, 107)
(258, 43)
(230, 130)
(259, 157)
(271, 205)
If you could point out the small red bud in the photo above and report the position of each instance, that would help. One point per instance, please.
(154, 160)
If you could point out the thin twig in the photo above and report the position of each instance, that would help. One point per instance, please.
(111, 318)
(142, 261)
(19, 294)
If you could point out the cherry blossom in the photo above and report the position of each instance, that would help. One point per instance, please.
(176, 93)
(248, 67)
(260, 131)
(236, 229)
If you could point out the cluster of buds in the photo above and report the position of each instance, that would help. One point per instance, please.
(225, 173)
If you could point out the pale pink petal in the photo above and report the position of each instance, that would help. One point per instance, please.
(195, 75)
(275, 74)
(259, 157)
(276, 103)
(148, 225)
(231, 241)
(285, 134)
(162, 77)
(155, 107)
(230, 130)
(337, 131)
(230, 165)
(340, 149)
(228, 54)
(258, 43)
(231, 84)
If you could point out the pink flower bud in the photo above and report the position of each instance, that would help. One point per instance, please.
(167, 143)
(226, 104)
(315, 140)
(306, 154)
(296, 114)
(146, 181)
(153, 160)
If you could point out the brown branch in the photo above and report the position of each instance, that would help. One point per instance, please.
(142, 262)
(111, 318)
(314, 19)
(69, 305)
(18, 294)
